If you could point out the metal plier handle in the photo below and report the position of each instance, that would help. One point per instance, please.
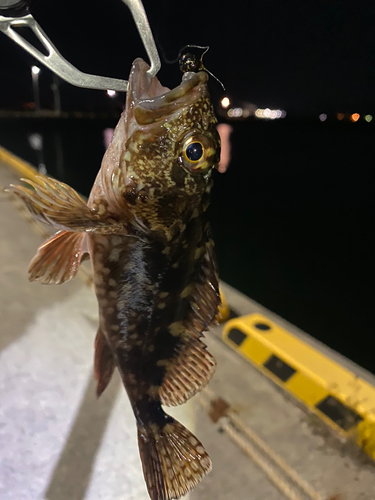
(16, 13)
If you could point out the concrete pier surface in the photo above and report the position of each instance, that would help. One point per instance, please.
(59, 442)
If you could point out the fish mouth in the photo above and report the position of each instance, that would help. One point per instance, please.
(152, 102)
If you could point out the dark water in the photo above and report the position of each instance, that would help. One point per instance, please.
(293, 217)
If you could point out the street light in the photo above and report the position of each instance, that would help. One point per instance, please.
(35, 77)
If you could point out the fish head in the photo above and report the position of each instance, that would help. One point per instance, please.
(170, 147)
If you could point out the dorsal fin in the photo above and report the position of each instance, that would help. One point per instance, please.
(193, 366)
(191, 370)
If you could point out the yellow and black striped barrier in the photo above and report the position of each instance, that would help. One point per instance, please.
(343, 400)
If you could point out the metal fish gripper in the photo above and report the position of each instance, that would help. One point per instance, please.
(15, 13)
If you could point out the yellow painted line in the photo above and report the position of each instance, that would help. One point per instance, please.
(335, 394)
(22, 168)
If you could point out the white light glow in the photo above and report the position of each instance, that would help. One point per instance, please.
(322, 117)
(35, 70)
(270, 114)
(230, 112)
(36, 141)
(111, 93)
(225, 102)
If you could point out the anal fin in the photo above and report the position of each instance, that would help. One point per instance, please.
(187, 373)
(58, 259)
(104, 363)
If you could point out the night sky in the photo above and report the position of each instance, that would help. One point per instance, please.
(305, 57)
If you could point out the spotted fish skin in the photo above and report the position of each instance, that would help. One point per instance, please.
(145, 228)
(145, 296)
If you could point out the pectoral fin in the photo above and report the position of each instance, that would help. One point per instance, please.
(58, 205)
(58, 259)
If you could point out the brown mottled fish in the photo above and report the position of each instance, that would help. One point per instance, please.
(146, 231)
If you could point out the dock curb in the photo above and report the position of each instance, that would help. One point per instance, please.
(340, 398)
(22, 168)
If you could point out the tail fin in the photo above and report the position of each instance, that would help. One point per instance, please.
(173, 460)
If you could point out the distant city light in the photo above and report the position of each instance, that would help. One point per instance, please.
(111, 93)
(36, 141)
(340, 116)
(368, 118)
(246, 113)
(270, 114)
(225, 102)
(355, 117)
(235, 112)
(35, 70)
(322, 117)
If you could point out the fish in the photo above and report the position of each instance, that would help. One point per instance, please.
(146, 230)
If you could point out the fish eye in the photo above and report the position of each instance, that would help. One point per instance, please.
(198, 152)
(194, 151)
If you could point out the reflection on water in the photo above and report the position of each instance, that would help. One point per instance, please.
(108, 134)
(225, 131)
(292, 217)
(37, 144)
